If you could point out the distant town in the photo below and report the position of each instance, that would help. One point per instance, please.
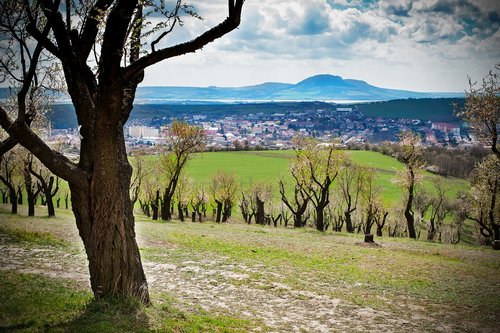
(261, 130)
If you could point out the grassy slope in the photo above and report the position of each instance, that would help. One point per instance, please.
(411, 286)
(269, 166)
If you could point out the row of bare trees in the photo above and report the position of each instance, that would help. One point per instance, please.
(327, 190)
(21, 172)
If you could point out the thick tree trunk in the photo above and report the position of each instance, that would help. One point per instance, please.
(104, 216)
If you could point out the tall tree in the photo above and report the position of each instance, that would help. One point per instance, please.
(100, 54)
(183, 141)
(410, 154)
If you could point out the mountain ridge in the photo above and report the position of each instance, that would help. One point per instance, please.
(321, 87)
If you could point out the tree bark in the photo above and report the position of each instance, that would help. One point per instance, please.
(320, 218)
(218, 211)
(410, 219)
(104, 211)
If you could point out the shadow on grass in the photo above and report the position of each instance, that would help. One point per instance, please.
(111, 315)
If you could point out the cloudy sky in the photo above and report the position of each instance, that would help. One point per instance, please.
(425, 45)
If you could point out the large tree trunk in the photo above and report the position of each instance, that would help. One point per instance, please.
(104, 215)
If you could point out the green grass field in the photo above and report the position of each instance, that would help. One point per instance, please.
(206, 277)
(270, 166)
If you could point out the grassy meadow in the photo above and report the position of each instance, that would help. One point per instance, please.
(270, 166)
(207, 277)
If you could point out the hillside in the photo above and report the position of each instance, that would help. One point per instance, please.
(206, 277)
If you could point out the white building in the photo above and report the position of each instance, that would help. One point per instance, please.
(143, 132)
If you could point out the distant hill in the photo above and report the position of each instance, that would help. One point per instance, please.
(324, 87)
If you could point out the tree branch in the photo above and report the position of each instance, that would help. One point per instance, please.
(228, 25)
(91, 27)
(54, 161)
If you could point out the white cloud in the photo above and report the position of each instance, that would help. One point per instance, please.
(425, 45)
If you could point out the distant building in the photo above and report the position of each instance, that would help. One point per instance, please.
(143, 132)
(446, 128)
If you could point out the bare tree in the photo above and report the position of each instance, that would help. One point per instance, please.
(350, 180)
(9, 175)
(183, 141)
(483, 203)
(482, 109)
(199, 200)
(440, 207)
(316, 166)
(100, 54)
(47, 184)
(299, 204)
(410, 154)
(31, 189)
(373, 208)
(260, 194)
(141, 170)
(182, 195)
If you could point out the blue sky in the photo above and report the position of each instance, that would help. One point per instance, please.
(425, 45)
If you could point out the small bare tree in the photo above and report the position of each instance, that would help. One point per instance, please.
(183, 141)
(410, 154)
(351, 179)
(48, 184)
(299, 204)
(316, 166)
(483, 204)
(482, 109)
